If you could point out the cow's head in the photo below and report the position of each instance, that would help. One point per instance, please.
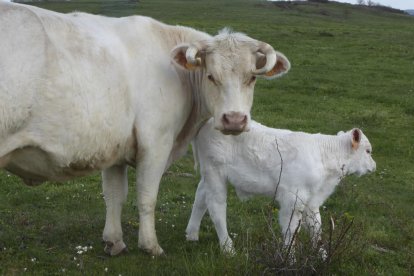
(228, 65)
(360, 158)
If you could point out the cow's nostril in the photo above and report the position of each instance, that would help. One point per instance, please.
(225, 119)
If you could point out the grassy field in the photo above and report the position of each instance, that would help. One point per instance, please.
(351, 67)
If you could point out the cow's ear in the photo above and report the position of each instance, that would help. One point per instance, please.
(356, 138)
(178, 55)
(281, 67)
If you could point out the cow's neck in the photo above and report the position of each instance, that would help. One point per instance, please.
(191, 82)
(197, 116)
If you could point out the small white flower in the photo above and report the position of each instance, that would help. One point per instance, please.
(33, 260)
(74, 258)
(106, 269)
(77, 265)
(173, 226)
(90, 247)
(25, 269)
(47, 198)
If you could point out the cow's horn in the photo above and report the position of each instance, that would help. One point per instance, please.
(191, 54)
(270, 54)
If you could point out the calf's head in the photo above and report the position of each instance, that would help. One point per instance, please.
(361, 161)
(226, 67)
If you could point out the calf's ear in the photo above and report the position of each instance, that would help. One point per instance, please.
(356, 138)
(281, 67)
(179, 58)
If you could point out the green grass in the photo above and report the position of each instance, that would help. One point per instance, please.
(351, 67)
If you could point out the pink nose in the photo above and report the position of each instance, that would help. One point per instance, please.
(234, 122)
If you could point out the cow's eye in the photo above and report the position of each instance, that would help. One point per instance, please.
(368, 151)
(211, 78)
(252, 79)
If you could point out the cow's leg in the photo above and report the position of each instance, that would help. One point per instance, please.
(216, 198)
(115, 190)
(197, 213)
(151, 166)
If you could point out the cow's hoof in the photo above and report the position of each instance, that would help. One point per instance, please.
(155, 251)
(116, 248)
(192, 236)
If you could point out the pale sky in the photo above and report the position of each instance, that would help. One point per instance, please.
(398, 4)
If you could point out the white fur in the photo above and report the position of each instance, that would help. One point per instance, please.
(81, 93)
(313, 164)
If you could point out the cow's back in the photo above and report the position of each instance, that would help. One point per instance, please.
(64, 89)
(22, 52)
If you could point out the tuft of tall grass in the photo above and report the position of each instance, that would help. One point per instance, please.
(341, 241)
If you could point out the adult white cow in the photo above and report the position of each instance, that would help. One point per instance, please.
(300, 170)
(82, 92)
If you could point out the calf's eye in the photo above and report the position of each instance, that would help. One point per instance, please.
(211, 78)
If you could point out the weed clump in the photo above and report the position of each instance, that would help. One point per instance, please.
(341, 242)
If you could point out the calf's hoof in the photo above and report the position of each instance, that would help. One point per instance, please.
(228, 249)
(323, 253)
(192, 236)
(116, 248)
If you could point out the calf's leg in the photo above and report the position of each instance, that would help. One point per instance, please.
(216, 198)
(313, 223)
(290, 217)
(197, 213)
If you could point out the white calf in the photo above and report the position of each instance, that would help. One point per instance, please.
(312, 165)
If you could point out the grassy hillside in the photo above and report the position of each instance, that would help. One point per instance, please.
(351, 67)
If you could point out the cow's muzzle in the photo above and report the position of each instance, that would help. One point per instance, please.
(234, 123)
